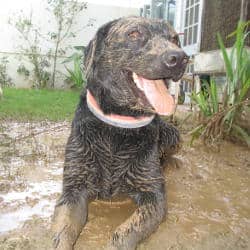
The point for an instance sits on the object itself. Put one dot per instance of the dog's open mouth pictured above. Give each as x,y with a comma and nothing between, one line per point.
156,94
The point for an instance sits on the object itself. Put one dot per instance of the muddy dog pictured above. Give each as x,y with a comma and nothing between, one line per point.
118,142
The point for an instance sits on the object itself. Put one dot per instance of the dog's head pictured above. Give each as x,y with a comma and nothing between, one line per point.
129,62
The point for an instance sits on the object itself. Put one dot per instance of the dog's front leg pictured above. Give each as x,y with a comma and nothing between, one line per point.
146,218
72,208
68,221
169,144
169,139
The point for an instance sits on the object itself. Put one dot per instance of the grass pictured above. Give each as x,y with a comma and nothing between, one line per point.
38,105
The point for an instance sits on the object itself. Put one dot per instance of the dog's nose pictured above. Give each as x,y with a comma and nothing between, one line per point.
176,58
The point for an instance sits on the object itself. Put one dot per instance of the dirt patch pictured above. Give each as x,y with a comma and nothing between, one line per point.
208,196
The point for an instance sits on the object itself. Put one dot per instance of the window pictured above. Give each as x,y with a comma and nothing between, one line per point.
169,6
185,36
195,31
186,18
145,11
190,31
191,22
196,15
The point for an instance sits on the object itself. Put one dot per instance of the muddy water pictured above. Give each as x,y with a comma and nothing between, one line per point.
208,196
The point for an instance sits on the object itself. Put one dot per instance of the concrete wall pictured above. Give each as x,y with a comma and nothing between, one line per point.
209,62
10,40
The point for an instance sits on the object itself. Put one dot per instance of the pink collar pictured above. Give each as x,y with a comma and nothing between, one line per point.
121,121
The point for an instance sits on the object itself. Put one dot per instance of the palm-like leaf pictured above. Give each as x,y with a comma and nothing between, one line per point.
237,67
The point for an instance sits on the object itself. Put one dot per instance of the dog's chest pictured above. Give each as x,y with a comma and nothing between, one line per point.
119,158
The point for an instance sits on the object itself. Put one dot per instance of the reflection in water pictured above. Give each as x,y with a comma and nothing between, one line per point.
208,197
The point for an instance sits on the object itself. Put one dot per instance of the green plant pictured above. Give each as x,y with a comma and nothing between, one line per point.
207,101
22,70
31,50
44,62
220,121
76,76
65,13
5,80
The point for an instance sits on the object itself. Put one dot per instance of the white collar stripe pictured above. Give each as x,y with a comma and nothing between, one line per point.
117,120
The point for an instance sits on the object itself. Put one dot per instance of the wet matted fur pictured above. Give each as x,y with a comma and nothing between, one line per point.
101,160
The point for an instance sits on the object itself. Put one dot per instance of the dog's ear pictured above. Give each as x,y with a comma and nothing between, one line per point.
92,51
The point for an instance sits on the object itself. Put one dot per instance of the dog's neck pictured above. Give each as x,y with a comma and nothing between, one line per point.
121,121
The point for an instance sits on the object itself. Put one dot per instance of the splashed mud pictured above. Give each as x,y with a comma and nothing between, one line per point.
208,196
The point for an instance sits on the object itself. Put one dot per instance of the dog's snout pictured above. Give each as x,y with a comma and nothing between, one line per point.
176,58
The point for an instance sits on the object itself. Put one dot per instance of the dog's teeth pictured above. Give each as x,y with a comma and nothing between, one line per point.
137,81
139,85
135,76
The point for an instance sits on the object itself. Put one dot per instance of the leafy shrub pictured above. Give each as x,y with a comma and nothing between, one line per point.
220,121
76,75
5,80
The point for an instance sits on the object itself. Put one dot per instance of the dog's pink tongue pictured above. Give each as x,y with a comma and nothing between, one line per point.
158,96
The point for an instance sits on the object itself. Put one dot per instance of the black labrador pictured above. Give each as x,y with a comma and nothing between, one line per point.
118,142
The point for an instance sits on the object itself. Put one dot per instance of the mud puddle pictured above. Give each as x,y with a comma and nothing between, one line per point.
208,196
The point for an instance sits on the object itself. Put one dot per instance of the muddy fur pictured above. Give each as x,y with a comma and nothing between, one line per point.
102,161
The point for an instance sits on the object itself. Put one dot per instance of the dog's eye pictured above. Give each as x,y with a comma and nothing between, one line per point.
134,34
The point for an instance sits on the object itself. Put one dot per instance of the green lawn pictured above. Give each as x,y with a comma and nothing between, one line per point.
37,105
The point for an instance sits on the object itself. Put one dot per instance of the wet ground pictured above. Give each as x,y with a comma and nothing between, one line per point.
208,196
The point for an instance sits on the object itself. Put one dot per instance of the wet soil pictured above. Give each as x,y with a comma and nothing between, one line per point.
208,195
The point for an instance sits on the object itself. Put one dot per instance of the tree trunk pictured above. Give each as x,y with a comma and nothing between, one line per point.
58,41
54,64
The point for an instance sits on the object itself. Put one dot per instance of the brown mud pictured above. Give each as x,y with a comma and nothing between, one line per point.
208,195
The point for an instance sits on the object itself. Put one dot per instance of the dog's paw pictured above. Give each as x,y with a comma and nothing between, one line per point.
110,247
113,246
61,241
120,241
173,162
65,228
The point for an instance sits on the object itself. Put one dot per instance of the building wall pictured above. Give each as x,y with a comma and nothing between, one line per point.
219,16
10,41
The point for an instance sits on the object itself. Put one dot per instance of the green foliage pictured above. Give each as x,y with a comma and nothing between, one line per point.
30,50
5,80
22,70
44,63
65,13
38,104
208,102
220,121
237,66
76,76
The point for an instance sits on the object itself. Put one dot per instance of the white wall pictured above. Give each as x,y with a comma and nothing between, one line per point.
9,40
